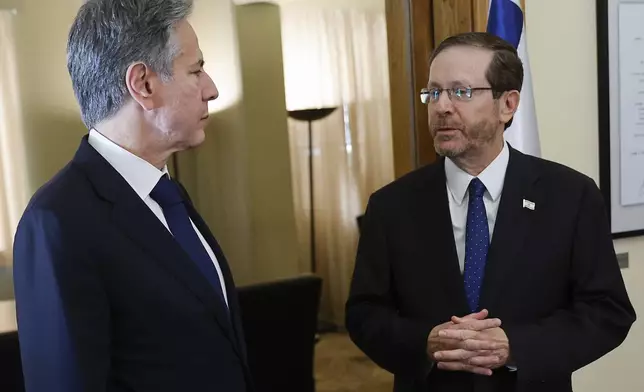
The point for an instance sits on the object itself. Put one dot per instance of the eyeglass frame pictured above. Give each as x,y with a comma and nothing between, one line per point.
425,93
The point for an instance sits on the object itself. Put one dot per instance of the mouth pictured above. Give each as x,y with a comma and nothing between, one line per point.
205,117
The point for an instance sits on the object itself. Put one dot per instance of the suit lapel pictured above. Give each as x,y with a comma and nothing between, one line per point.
231,293
138,222
513,224
434,222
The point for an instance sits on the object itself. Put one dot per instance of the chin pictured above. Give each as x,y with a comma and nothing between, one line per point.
449,149
197,139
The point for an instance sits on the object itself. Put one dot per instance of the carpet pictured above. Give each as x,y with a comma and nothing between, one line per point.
341,367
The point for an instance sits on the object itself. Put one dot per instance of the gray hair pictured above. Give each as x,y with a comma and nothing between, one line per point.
107,36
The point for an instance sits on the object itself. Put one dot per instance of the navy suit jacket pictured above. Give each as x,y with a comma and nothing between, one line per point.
107,300
551,276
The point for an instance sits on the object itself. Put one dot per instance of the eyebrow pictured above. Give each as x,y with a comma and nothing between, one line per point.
199,63
454,83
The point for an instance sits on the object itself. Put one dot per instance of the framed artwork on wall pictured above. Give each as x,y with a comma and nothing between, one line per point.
620,76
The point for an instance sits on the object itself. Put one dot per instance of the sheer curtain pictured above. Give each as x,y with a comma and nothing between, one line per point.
13,185
337,58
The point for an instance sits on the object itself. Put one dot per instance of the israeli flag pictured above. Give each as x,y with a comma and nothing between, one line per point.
506,20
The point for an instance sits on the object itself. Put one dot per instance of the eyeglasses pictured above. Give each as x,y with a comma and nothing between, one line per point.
431,95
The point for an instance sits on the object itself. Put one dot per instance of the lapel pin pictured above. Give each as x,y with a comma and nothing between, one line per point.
528,204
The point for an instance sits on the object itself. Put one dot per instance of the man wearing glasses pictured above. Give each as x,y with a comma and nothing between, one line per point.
489,270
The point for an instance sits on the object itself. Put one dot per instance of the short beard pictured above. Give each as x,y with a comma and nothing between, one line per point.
480,135
450,153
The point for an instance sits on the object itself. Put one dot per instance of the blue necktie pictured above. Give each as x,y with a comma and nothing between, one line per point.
477,242
167,194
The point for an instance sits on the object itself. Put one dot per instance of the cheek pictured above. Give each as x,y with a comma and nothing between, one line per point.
475,116
190,92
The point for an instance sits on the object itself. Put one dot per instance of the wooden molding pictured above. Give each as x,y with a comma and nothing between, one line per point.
451,17
423,44
401,84
479,14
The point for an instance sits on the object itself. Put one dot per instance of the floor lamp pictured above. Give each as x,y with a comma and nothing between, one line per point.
311,115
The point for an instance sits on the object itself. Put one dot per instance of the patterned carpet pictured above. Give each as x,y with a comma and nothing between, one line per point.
341,367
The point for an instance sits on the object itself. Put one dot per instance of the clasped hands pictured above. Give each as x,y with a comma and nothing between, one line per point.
472,343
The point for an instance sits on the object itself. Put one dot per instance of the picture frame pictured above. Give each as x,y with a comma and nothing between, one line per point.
620,77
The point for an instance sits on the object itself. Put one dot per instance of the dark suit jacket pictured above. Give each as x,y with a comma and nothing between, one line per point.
551,277
108,301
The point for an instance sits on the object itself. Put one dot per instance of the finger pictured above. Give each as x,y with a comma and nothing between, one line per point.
458,334
454,355
476,325
477,316
480,315
486,361
472,326
481,345
459,366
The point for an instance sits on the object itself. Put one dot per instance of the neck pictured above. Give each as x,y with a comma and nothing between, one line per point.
132,135
476,160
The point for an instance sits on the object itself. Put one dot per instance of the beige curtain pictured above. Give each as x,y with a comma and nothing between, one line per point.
13,185
337,58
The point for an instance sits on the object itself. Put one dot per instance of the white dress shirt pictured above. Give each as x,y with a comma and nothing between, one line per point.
143,177
458,182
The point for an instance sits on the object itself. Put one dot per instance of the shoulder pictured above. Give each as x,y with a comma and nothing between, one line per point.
556,174
405,187
66,197
60,191
567,186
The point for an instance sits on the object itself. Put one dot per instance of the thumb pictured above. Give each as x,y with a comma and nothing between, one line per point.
481,315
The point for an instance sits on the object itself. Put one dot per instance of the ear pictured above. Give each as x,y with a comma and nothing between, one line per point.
143,85
509,103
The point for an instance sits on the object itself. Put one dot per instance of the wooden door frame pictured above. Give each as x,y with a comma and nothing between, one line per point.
410,37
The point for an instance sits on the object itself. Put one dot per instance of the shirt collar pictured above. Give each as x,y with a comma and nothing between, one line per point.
493,177
140,174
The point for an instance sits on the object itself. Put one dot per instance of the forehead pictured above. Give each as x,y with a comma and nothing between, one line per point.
460,64
186,38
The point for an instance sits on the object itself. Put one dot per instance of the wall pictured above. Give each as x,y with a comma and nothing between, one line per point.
9,4
238,174
275,249
216,172
330,4
562,49
52,124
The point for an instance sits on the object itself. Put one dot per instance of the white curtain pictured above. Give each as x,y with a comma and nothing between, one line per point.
13,184
337,58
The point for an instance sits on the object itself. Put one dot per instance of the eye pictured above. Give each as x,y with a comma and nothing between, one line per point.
462,92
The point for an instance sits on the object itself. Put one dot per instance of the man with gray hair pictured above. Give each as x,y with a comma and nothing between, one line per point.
119,283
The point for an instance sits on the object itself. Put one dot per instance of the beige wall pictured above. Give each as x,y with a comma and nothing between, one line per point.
52,124
216,172
269,164
238,175
9,4
249,213
332,4
562,48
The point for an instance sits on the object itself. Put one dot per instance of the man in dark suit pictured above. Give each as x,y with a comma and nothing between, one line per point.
489,270
120,285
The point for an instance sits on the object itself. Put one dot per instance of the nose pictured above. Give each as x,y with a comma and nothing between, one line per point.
443,105
210,92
